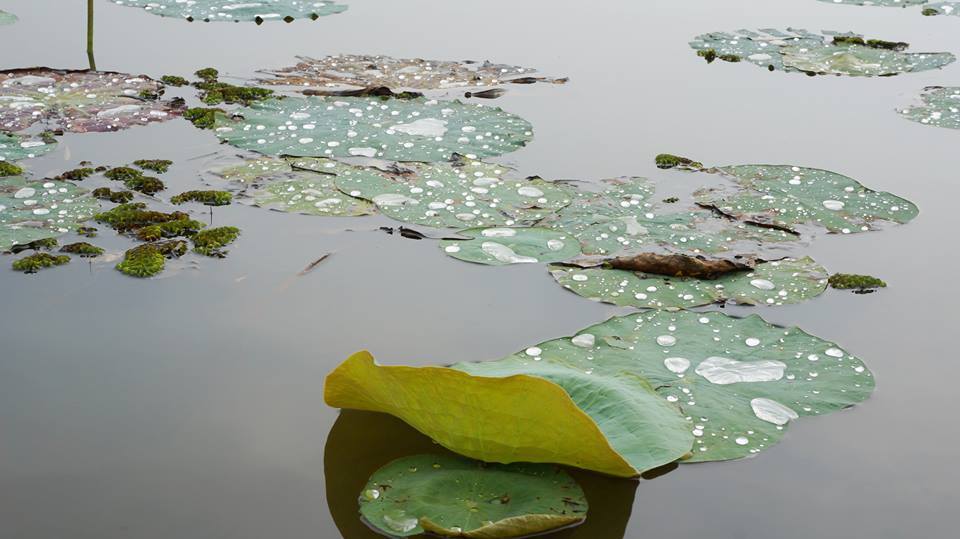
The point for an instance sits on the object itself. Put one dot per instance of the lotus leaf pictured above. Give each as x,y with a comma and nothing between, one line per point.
451,496
16,147
398,74
79,101
394,129
788,196
7,18
616,425
802,51
941,107
777,282
502,246
231,10
739,380
36,209
881,3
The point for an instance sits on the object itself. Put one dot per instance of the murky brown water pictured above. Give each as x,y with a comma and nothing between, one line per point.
190,406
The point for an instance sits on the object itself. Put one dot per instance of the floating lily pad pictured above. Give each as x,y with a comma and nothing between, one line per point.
232,10
790,196
778,282
452,195
881,3
941,107
802,51
739,380
452,496
398,74
942,8
620,219
17,147
36,209
79,101
502,246
393,129
7,18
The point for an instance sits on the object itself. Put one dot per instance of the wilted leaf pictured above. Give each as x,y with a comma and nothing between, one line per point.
232,10
35,209
453,496
17,147
394,129
502,246
941,107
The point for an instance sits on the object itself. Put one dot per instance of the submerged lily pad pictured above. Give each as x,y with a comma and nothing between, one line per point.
79,101
501,246
394,129
941,107
451,195
36,209
7,18
777,282
232,10
790,196
801,51
17,147
398,74
739,380
452,496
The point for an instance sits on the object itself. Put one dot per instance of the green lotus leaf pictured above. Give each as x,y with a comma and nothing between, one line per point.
398,74
455,194
393,129
7,18
619,219
502,246
942,8
17,147
779,282
739,380
941,107
79,101
232,10
801,51
452,496
31,210
881,3
790,196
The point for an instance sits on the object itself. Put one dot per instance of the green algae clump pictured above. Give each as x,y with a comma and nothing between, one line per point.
707,54
174,80
9,169
77,174
87,231
207,74
169,229
157,165
35,245
207,198
850,281
117,197
39,261
667,161
135,180
201,118
210,242
133,216
214,92
142,261
82,249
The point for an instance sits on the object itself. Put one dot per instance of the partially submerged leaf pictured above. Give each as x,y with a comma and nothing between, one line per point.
79,101
394,129
941,107
7,18
36,209
17,147
790,196
881,3
232,10
778,282
739,380
522,418
452,496
502,246
942,8
801,51
397,74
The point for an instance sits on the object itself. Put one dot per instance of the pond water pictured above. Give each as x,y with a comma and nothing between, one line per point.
191,405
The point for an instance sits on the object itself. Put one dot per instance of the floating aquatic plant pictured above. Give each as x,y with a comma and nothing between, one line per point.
79,101
452,496
394,129
850,281
942,8
777,282
37,209
7,18
502,246
82,249
159,166
117,197
230,10
801,51
206,197
211,242
142,261
16,147
941,107
398,74
39,261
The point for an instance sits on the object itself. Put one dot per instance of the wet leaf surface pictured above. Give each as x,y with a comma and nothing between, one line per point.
35,209
503,246
7,18
17,147
941,107
232,10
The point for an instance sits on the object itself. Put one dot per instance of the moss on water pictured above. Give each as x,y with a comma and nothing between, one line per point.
667,161
174,80
82,249
207,198
157,165
39,261
201,118
850,281
87,231
77,174
135,215
117,197
142,261
207,74
707,54
9,169
210,242
169,229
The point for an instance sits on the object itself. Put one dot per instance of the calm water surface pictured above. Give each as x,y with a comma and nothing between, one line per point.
190,406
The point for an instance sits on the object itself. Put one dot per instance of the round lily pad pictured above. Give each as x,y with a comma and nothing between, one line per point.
7,18
791,196
394,129
398,74
740,381
503,246
17,147
36,209
452,195
452,496
232,10
941,107
79,101
830,54
777,282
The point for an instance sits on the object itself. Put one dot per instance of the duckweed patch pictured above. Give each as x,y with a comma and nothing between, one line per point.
39,261
210,242
9,169
77,174
35,245
174,80
202,118
142,261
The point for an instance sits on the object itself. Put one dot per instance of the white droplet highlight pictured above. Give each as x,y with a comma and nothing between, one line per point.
772,411
723,371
